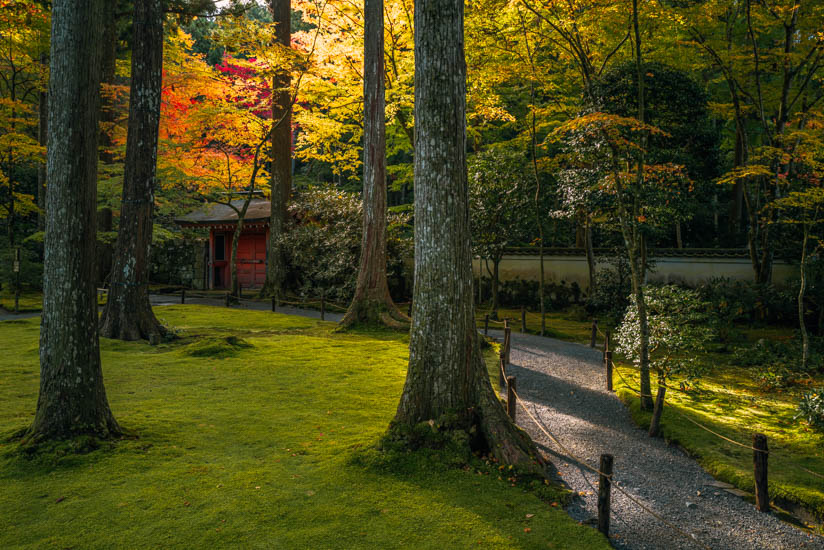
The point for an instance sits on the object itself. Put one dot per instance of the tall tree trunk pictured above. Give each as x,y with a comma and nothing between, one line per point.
805,339
447,377
281,167
72,398
496,263
128,314
639,272
590,252
372,303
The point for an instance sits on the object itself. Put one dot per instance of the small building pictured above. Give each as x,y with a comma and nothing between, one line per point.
221,220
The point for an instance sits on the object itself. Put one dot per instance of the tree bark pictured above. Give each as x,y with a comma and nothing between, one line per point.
128,314
72,399
496,263
281,166
447,376
372,303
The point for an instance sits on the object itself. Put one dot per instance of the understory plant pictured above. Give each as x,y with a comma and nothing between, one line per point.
679,330
811,408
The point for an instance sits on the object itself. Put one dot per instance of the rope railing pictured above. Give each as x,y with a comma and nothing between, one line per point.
707,429
572,457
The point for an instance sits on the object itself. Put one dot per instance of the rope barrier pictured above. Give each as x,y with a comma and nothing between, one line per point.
679,413
571,455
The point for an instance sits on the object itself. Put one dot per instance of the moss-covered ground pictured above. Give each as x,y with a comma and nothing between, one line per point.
253,430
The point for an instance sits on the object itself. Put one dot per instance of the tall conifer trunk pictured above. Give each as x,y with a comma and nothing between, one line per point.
128,314
447,377
72,399
281,168
372,303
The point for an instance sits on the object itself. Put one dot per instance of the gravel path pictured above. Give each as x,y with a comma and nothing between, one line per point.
563,385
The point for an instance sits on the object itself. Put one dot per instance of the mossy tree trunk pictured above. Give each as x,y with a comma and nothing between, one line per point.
372,303
72,399
281,167
447,375
128,314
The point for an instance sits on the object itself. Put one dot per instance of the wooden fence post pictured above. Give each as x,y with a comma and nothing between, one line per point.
486,324
655,423
511,398
239,290
409,311
502,369
323,305
523,319
507,342
227,298
608,364
183,296
594,333
604,486
759,457
274,304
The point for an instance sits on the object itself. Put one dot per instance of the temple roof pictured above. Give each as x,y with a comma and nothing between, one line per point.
221,214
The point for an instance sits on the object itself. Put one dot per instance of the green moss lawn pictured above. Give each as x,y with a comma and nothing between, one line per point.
729,403
253,430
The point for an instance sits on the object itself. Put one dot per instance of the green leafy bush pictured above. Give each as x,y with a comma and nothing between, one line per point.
322,245
774,364
679,330
811,408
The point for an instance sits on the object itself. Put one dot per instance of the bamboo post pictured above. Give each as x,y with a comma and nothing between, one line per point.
759,456
511,398
486,324
608,364
604,487
523,319
594,333
322,305
183,296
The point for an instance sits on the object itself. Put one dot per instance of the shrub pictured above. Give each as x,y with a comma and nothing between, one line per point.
611,295
322,246
811,408
678,330
775,364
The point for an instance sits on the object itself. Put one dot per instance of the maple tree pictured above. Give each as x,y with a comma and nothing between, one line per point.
24,39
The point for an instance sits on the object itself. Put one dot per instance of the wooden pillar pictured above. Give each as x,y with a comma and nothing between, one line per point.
759,456
604,487
608,365
594,333
511,398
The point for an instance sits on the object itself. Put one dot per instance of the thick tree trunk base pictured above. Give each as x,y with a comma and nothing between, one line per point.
375,312
486,431
129,320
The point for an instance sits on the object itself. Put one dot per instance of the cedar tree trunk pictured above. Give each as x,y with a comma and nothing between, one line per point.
128,314
281,168
72,399
372,303
447,377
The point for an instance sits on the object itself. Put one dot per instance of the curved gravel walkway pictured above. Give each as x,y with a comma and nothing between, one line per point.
563,385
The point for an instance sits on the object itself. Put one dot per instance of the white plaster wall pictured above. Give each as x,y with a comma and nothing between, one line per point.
688,270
